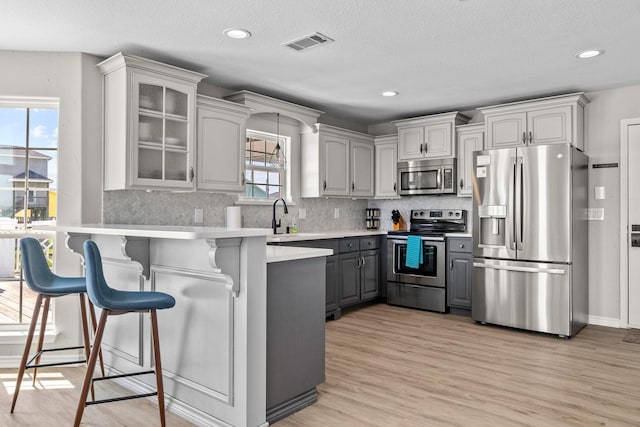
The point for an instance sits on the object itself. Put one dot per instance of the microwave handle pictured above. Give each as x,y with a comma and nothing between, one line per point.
439,179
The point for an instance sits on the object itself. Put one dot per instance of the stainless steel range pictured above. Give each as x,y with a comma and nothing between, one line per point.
423,287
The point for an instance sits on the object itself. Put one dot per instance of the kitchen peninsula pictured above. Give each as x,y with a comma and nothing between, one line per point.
214,341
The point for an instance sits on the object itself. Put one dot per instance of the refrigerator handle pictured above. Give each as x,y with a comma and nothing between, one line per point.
521,218
514,204
522,269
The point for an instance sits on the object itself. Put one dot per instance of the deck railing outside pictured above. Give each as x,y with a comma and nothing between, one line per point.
16,299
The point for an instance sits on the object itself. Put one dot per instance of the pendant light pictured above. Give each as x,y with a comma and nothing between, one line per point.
277,158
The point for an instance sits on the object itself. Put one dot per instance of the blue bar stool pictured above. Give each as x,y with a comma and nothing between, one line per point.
47,285
115,302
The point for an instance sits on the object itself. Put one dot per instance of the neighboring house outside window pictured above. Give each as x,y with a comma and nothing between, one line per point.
265,177
28,185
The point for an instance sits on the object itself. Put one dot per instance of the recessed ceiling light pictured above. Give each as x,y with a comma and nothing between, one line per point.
389,93
237,33
589,54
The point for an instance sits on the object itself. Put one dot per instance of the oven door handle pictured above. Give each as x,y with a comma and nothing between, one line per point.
559,271
403,239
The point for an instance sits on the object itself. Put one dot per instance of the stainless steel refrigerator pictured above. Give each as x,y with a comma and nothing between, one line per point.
530,238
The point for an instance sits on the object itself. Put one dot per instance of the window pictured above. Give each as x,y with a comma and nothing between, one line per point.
265,177
28,177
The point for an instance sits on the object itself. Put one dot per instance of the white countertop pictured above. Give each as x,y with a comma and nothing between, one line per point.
294,237
193,232
290,253
162,231
18,234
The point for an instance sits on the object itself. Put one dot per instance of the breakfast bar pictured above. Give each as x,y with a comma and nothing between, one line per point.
215,352
213,342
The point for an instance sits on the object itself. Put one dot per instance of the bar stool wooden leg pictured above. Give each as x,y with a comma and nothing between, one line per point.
27,347
88,376
85,336
43,327
158,366
94,325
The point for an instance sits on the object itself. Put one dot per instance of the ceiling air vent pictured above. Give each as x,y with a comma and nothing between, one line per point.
306,42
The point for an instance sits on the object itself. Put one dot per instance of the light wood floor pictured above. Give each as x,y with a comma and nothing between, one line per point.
389,366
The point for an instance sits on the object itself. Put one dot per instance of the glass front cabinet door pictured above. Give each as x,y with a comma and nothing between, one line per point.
153,144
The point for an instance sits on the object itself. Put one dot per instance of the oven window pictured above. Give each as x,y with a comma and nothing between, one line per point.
429,260
424,180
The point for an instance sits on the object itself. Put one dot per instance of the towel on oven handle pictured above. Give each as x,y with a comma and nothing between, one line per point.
414,252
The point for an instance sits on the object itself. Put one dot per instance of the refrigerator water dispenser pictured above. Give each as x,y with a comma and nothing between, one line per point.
492,225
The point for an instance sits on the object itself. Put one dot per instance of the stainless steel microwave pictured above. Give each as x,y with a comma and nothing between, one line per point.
428,176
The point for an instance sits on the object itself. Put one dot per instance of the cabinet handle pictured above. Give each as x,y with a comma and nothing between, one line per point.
461,186
524,137
363,261
243,178
530,137
192,174
420,148
324,186
451,265
353,186
462,246
426,148
394,186
357,262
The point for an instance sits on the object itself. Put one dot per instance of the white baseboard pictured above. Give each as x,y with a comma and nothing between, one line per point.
179,408
604,321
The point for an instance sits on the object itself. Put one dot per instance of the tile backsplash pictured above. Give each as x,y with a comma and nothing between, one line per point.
175,208
406,204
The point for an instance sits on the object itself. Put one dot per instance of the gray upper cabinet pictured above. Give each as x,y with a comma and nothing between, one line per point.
337,163
386,160
221,145
553,120
470,139
429,136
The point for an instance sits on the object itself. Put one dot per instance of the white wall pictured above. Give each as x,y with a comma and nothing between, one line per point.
74,80
603,115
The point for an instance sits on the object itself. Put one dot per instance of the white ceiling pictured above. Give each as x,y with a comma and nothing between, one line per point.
441,55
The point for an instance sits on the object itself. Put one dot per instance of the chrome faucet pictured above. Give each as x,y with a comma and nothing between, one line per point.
275,224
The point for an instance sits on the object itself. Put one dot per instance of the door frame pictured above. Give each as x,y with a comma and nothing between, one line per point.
624,220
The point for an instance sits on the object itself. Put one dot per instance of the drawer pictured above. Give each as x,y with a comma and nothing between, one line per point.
367,243
459,244
349,244
422,297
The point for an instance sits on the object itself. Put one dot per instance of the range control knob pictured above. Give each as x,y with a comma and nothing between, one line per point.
450,213
457,213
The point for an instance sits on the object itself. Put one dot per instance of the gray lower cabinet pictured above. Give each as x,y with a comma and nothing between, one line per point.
333,286
359,269
295,335
349,278
332,296
352,273
460,274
